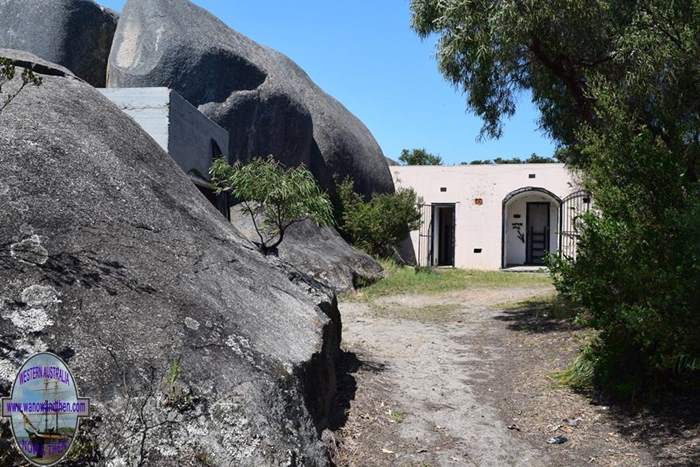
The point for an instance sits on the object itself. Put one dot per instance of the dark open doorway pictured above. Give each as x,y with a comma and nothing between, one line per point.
444,235
537,218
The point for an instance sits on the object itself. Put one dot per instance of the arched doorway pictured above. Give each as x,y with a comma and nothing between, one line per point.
530,226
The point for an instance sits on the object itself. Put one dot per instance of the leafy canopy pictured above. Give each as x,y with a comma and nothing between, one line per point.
562,50
419,157
274,197
378,225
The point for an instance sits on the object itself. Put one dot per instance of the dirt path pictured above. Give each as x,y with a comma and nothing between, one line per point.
456,379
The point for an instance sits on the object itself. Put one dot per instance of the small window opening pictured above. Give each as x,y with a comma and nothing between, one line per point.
443,189
531,176
216,149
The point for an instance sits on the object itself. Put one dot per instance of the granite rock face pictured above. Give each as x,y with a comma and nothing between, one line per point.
192,345
319,252
74,33
268,103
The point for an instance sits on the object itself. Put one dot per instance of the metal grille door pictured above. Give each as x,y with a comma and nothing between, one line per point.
572,208
425,235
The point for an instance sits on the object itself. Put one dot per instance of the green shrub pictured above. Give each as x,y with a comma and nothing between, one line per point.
378,225
274,197
637,271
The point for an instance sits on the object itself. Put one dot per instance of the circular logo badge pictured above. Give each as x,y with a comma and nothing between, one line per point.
44,409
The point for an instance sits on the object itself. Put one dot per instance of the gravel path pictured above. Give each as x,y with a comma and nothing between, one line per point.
460,379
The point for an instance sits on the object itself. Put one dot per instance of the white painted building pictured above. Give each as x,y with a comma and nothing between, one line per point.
493,216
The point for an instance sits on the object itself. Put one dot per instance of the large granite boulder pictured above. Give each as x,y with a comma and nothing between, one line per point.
268,103
195,348
74,33
319,252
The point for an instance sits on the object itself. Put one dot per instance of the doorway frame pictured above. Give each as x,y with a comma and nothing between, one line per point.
504,214
547,231
436,220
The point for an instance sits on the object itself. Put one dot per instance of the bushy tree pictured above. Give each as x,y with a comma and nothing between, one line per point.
377,226
617,85
8,70
419,157
274,197
638,267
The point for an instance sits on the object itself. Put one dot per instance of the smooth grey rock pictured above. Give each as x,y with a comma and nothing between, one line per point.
194,348
74,33
319,252
268,103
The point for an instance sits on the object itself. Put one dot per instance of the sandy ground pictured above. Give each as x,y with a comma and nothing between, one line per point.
463,379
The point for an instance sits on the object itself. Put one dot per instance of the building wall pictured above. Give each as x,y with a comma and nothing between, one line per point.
192,135
175,124
147,106
480,226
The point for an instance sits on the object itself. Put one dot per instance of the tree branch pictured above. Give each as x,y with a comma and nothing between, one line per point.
255,225
559,68
11,97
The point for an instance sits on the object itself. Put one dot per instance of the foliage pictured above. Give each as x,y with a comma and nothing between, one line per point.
533,159
280,197
638,265
8,70
402,280
580,374
537,159
419,157
493,50
378,225
617,85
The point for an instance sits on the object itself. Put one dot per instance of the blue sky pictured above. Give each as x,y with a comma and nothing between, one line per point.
364,53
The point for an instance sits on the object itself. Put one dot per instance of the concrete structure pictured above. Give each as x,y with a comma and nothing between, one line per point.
191,139
492,216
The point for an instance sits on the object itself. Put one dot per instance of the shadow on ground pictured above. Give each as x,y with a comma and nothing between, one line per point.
669,426
539,315
349,364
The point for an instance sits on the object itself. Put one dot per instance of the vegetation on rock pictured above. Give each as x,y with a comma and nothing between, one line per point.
8,70
273,196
